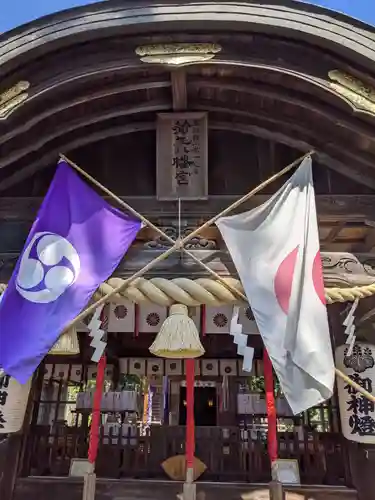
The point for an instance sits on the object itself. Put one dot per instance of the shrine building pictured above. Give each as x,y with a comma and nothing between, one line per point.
119,88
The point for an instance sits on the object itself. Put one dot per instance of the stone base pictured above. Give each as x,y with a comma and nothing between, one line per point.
190,491
60,488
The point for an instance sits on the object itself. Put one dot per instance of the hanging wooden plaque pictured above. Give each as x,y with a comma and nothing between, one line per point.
181,165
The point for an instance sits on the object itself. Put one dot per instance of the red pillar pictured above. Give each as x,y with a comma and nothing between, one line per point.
271,407
95,422
190,425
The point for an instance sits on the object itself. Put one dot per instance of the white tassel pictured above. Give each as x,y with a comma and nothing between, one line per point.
178,337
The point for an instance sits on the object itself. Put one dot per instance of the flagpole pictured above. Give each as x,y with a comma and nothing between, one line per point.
179,245
175,244
89,483
276,488
208,223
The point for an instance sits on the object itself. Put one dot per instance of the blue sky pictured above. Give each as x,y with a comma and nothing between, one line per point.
16,12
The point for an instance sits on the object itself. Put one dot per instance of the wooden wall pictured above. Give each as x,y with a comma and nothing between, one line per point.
236,163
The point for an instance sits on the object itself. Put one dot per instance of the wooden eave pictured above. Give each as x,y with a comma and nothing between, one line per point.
271,79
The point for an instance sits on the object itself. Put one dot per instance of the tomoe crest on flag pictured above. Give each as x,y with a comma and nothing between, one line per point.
76,243
49,266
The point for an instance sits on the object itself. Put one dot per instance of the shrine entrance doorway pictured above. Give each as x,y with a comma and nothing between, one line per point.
205,407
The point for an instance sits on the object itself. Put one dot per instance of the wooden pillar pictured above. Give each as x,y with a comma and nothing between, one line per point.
362,466
189,491
228,418
360,458
10,450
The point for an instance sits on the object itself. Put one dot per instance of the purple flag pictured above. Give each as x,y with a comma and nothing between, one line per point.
75,244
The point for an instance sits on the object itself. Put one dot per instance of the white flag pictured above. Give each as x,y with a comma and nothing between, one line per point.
275,248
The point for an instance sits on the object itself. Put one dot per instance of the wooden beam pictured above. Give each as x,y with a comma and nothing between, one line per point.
291,130
325,157
334,232
331,208
29,170
266,157
104,92
339,268
148,107
290,97
292,127
179,89
178,80
369,244
290,133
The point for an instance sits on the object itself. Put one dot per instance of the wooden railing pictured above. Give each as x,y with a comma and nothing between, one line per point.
229,454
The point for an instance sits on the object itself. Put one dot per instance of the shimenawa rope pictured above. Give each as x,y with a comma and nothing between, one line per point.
206,291
201,291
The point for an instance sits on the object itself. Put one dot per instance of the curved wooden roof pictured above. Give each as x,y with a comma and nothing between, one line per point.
291,72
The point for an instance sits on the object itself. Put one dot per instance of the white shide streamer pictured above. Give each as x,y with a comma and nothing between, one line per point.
350,327
97,335
240,339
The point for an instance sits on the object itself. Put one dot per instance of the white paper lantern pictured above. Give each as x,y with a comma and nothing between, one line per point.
357,413
13,403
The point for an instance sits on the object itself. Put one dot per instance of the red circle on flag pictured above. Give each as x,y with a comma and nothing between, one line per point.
284,279
317,276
